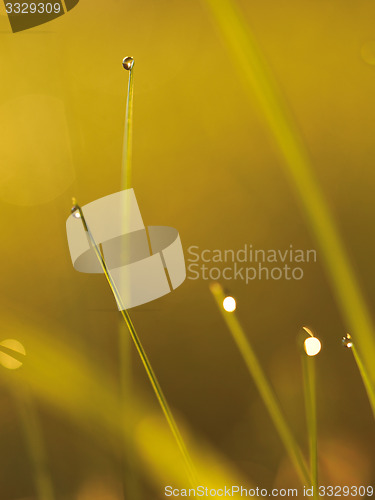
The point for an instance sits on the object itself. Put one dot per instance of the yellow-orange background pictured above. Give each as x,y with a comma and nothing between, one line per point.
205,163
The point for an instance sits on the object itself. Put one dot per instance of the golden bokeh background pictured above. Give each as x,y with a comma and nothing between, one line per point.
204,162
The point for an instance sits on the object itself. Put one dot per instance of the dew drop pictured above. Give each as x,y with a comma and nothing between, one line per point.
128,62
75,212
229,304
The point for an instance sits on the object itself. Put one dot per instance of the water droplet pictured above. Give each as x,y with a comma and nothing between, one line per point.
229,304
347,341
312,346
128,62
75,212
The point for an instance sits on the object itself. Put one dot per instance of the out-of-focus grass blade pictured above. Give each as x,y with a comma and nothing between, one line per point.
365,378
309,382
260,83
63,377
34,441
215,471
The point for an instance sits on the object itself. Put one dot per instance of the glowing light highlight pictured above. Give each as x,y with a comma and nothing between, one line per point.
312,346
229,304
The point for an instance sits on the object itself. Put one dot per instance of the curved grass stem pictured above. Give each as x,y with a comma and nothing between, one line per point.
309,381
33,436
365,377
128,133
259,83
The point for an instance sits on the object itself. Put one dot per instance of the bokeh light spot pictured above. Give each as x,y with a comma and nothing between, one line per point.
312,346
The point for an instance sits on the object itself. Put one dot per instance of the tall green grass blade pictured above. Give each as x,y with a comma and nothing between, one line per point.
264,387
309,381
259,83
365,377
191,473
33,436
128,134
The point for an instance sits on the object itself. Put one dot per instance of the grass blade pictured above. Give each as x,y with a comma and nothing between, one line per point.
259,82
309,381
34,441
144,358
126,180
264,387
348,342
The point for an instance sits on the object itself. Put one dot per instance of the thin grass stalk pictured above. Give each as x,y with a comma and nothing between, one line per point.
365,378
144,358
131,482
264,387
34,441
260,83
309,382
128,134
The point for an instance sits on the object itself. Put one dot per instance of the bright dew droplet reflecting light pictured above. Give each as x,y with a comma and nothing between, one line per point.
128,62
347,341
75,212
229,304
312,346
